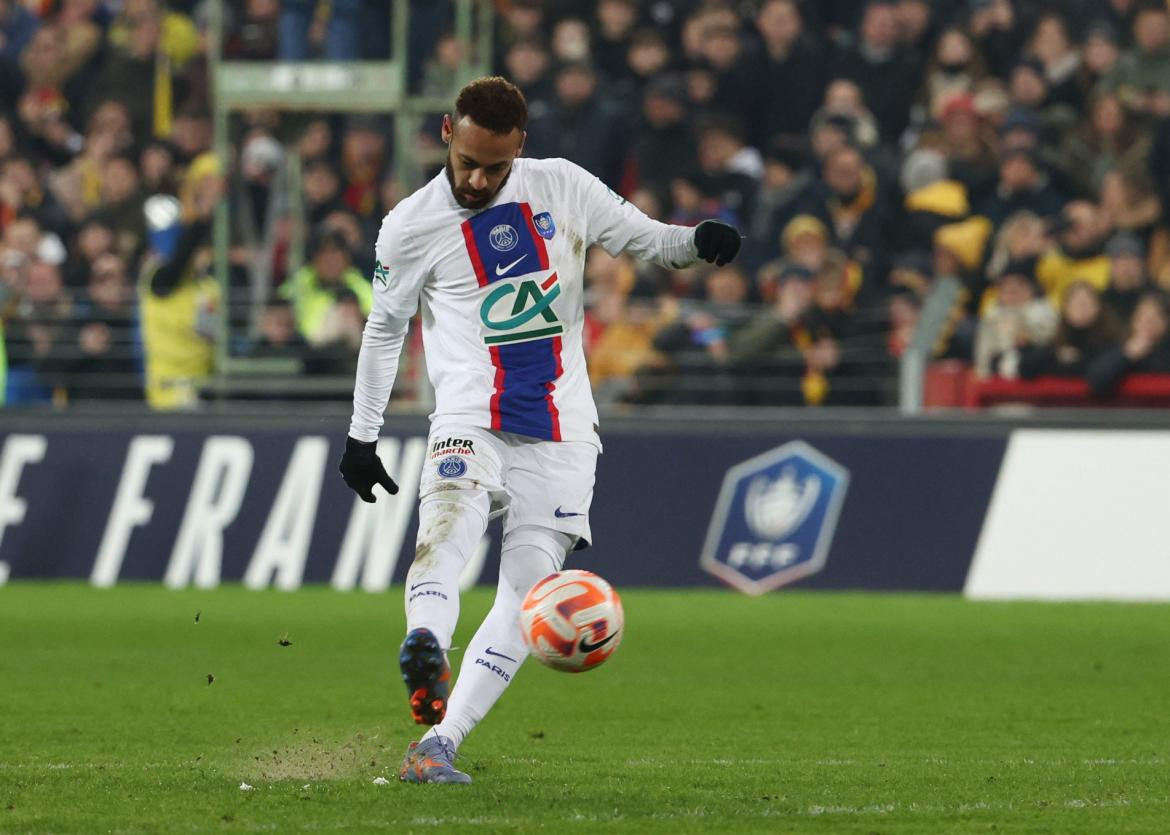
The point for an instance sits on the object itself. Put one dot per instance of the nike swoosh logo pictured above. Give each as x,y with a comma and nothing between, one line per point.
499,654
585,646
560,514
427,583
501,270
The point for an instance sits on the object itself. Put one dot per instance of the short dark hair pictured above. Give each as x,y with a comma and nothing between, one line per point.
493,103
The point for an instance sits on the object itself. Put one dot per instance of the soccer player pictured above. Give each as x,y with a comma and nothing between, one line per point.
493,251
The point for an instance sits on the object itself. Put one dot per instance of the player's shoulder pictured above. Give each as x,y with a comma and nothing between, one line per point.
553,169
413,216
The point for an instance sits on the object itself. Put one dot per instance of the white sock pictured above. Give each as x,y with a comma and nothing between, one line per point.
450,525
496,652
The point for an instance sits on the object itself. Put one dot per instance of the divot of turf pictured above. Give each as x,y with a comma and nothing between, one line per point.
318,760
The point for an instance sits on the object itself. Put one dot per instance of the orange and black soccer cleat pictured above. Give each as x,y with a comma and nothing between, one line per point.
427,675
431,761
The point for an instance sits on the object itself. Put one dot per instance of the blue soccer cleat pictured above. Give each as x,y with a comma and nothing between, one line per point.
427,675
430,761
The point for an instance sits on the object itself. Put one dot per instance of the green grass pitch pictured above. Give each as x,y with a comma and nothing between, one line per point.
796,712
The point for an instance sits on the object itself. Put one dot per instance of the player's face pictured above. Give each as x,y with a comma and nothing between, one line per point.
478,161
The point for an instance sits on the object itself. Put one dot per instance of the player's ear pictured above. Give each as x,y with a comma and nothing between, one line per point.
448,129
523,136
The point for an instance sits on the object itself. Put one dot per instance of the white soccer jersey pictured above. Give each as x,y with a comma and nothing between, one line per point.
501,294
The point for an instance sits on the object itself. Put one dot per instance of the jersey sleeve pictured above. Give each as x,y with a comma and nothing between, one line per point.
620,226
397,282
399,271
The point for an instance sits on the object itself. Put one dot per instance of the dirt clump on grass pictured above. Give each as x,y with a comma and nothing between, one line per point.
321,759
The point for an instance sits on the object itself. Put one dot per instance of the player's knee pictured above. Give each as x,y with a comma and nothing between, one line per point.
530,554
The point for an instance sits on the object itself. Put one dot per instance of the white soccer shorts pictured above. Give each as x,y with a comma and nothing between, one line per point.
530,481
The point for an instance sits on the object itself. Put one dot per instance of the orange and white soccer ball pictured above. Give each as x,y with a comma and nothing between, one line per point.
572,620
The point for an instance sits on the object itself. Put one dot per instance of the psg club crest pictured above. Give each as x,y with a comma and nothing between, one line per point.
774,519
452,467
544,225
503,237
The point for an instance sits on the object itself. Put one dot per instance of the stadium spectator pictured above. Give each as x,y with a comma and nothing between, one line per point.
323,293
1079,253
17,27
101,360
626,344
648,58
731,169
665,143
158,168
363,158
322,189
1022,187
1128,278
887,74
616,20
805,242
851,205
785,187
999,33
526,64
93,240
1019,317
1146,348
1086,330
1052,45
179,299
316,141
1142,75
278,334
788,74
342,36
148,47
40,323
23,194
582,125
1099,55
256,36
571,41
844,100
764,355
695,344
1106,141
954,69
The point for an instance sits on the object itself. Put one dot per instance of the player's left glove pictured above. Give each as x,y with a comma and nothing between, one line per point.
362,469
716,242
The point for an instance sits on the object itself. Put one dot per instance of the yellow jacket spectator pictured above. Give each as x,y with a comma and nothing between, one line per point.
319,286
180,299
178,38
1080,255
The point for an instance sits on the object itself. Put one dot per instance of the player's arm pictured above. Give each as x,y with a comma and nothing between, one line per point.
398,278
619,226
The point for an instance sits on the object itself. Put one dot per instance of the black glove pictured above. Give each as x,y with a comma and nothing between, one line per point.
362,469
716,242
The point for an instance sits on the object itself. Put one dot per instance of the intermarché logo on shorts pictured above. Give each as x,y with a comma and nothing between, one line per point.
500,312
453,446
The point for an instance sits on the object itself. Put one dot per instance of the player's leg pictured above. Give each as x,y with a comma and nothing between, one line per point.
495,654
550,486
455,505
450,526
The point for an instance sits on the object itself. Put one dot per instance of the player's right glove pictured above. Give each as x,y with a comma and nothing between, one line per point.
362,469
717,242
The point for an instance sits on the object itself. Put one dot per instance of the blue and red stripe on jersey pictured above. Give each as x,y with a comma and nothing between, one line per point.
528,253
526,372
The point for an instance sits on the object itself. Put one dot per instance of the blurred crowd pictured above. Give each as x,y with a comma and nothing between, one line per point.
868,150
